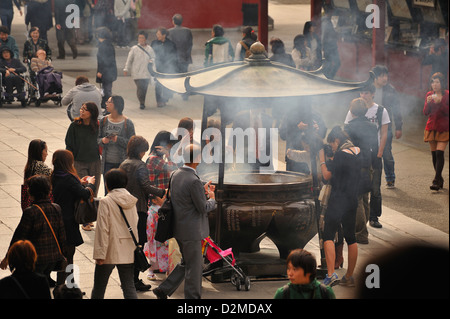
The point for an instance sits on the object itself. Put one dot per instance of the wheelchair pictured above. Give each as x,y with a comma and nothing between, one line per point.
22,97
39,88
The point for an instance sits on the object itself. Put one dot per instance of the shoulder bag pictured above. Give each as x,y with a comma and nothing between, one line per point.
140,261
63,264
150,64
164,228
86,211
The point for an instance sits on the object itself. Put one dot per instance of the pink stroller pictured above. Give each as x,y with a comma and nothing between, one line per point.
214,255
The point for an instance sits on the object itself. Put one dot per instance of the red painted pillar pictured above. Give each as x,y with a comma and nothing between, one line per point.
378,53
316,9
263,22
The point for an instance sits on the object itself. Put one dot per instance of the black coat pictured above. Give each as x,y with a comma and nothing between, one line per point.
67,190
39,15
12,63
34,285
166,56
106,62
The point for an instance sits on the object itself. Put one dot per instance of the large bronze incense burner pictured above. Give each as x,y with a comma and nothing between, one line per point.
255,203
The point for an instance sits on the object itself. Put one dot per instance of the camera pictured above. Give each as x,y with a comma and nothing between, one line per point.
328,151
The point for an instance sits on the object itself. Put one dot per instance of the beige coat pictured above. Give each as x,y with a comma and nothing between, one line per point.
113,242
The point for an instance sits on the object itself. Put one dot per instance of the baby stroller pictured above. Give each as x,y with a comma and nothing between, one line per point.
45,85
218,259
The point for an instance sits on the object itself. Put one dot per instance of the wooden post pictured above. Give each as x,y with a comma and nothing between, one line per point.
378,34
263,23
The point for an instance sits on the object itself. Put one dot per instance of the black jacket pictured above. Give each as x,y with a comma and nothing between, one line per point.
27,285
166,56
106,62
67,190
139,184
12,63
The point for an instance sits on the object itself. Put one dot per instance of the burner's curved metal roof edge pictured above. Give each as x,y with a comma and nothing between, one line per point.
255,77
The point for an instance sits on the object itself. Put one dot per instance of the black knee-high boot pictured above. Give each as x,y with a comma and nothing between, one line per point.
438,181
439,167
433,156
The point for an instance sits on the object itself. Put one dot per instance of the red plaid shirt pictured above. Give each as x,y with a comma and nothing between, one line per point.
160,170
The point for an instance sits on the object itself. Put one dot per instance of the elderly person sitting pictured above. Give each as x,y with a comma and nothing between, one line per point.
10,69
40,62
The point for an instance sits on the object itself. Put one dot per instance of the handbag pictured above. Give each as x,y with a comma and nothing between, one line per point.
86,211
140,260
164,229
63,263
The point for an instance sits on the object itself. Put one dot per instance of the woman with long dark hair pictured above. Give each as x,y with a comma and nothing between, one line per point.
436,130
37,154
81,140
344,173
68,189
314,43
301,54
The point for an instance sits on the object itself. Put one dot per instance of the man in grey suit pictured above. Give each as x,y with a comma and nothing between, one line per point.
182,37
190,206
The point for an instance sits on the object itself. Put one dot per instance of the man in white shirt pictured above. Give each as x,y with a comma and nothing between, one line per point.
380,117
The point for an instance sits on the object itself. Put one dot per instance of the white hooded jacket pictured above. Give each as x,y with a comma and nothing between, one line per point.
113,242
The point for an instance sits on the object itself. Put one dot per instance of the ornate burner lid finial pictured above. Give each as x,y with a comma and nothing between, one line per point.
258,54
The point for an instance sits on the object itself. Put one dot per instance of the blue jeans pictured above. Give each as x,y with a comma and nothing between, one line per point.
388,159
101,277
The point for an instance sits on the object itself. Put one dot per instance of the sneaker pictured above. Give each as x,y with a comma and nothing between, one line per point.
140,286
331,281
375,224
86,227
142,106
151,276
349,282
390,185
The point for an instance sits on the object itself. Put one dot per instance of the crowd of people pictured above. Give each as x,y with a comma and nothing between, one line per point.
97,145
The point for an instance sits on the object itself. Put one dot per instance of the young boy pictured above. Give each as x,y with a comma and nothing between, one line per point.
301,270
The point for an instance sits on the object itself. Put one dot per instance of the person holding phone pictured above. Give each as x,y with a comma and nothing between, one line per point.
115,131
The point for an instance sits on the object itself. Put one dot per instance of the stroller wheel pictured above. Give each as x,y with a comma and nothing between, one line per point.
239,285
234,279
247,283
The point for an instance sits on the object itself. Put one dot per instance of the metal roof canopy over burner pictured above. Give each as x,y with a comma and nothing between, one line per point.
255,83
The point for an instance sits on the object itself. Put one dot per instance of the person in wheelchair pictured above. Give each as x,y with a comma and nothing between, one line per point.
40,61
43,74
11,68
